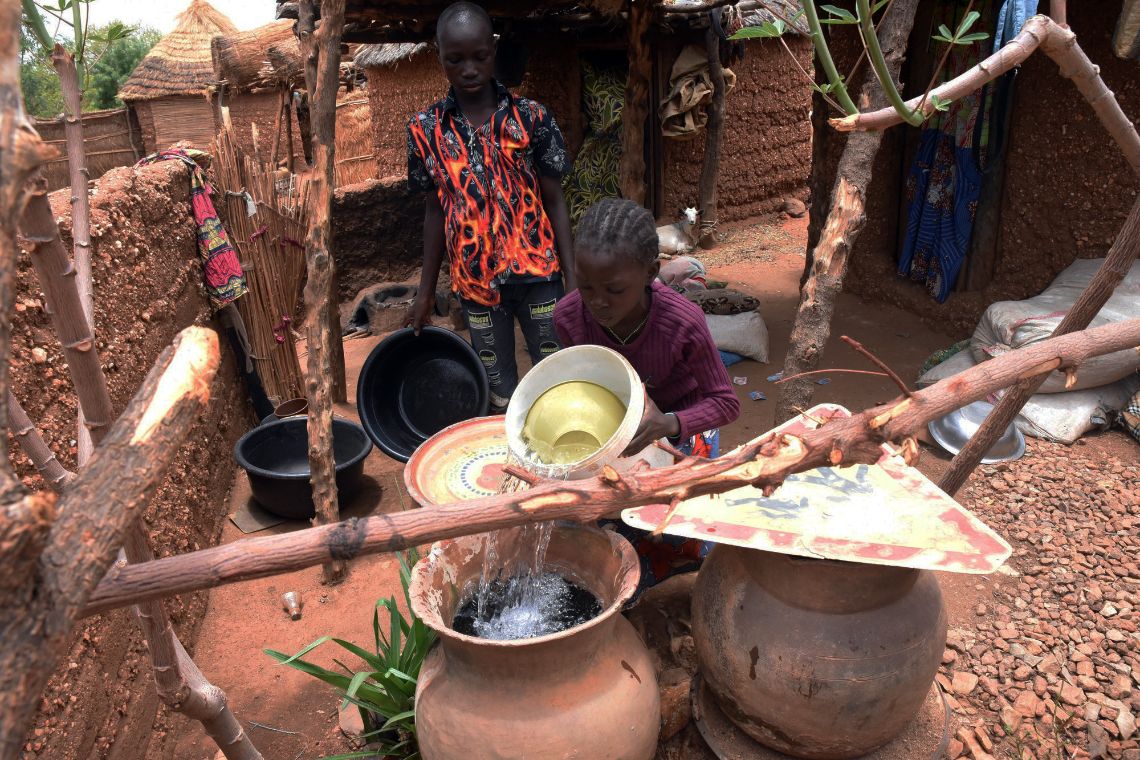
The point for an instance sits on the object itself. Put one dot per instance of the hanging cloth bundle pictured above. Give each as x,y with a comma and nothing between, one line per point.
684,111
225,281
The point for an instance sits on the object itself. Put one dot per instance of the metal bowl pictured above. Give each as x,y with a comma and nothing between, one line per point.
955,429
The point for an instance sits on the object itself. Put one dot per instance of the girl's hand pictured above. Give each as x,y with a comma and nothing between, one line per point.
419,313
654,425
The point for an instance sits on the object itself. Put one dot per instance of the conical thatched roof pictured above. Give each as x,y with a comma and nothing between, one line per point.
180,64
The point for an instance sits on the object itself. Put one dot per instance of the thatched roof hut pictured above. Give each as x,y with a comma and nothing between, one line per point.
168,90
242,61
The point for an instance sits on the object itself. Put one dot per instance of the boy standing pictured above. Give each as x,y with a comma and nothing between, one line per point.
495,163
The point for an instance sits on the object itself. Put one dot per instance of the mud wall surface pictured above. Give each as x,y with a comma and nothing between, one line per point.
766,153
261,108
377,234
554,78
395,93
102,704
1067,188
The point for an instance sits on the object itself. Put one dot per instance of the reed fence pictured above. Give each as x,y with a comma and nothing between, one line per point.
270,245
108,137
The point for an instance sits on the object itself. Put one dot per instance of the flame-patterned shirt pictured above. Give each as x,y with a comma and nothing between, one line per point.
487,179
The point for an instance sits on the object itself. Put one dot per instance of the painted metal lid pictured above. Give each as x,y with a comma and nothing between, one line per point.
887,513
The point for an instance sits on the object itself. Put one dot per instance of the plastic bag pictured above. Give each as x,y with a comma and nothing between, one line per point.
1007,325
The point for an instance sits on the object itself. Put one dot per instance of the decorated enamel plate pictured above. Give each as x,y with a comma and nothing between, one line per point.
887,513
464,461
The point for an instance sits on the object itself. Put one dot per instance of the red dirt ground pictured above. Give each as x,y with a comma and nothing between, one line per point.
298,715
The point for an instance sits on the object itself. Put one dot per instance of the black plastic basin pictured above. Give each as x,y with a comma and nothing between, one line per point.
412,386
276,457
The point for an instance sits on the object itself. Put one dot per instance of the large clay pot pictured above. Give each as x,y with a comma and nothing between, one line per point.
587,692
816,658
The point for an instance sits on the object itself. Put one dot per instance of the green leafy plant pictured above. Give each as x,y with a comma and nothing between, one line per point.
385,689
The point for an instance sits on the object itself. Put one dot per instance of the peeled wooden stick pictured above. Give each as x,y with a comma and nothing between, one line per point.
1057,42
30,440
763,462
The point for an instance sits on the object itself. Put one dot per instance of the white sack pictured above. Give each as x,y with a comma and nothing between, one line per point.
744,334
1007,325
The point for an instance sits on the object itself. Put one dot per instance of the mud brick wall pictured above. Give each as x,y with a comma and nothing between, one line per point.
766,153
101,704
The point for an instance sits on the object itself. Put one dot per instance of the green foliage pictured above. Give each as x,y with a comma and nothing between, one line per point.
766,30
38,80
837,15
111,69
961,35
385,690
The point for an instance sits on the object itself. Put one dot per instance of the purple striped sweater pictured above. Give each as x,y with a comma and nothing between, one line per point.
674,355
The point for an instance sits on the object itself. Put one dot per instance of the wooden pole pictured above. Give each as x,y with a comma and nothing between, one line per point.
321,50
763,462
1117,263
58,278
845,219
64,64
714,138
289,161
1060,44
281,111
636,107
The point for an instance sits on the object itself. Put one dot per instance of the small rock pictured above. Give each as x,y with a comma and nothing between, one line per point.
1114,635
948,656
1071,695
39,356
955,749
794,207
1126,722
351,722
963,683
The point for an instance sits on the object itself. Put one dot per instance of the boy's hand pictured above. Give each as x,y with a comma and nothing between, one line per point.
654,425
419,313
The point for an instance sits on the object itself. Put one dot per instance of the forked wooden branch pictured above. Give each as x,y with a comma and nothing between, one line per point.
93,516
1057,42
764,462
179,682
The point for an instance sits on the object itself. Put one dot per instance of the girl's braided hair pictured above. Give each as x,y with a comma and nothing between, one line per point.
621,227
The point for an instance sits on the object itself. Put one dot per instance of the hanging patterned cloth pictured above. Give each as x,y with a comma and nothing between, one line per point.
945,180
225,281
596,167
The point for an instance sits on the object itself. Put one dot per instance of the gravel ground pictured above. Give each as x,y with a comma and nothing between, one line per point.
1051,670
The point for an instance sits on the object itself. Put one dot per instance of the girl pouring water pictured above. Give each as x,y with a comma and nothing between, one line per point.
620,304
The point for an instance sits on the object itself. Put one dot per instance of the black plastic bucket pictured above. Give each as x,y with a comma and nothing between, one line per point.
411,387
276,457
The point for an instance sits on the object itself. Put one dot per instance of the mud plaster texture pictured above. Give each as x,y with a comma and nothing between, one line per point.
766,153
377,234
102,701
261,108
1067,191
